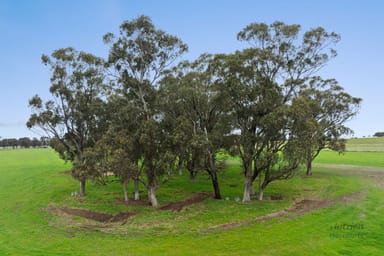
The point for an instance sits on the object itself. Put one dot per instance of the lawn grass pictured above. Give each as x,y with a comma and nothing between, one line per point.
32,180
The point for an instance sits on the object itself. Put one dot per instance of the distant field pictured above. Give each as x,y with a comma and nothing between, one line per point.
359,152
358,158
366,144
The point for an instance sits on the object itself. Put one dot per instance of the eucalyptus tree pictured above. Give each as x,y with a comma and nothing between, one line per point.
203,118
328,108
263,80
115,153
138,56
75,117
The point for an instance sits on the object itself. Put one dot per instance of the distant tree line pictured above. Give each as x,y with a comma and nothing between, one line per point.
378,134
25,142
143,117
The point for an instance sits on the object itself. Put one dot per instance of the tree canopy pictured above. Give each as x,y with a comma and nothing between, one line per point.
141,116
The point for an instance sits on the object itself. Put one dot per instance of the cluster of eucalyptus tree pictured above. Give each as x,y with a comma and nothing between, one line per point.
142,117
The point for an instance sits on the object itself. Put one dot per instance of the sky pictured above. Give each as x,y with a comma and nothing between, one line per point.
30,28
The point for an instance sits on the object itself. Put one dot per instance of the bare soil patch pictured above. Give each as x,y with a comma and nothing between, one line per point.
298,209
141,202
178,206
92,215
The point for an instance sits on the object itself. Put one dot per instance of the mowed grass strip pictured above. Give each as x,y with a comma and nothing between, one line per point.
31,180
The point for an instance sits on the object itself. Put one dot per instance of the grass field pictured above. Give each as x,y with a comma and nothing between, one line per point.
366,144
343,214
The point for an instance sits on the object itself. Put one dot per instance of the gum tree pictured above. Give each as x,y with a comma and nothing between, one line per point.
75,116
328,108
264,79
138,56
203,120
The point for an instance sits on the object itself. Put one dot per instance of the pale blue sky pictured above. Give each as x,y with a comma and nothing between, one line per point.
29,28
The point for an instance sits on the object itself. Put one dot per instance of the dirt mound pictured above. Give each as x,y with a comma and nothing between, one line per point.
121,216
92,215
178,206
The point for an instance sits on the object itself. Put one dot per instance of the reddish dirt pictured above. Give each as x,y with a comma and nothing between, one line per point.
298,209
92,215
123,216
140,202
178,206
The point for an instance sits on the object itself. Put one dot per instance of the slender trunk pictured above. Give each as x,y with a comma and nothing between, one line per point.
261,193
125,188
248,188
180,167
309,167
82,186
215,184
192,177
151,177
211,168
137,192
263,186
248,180
152,195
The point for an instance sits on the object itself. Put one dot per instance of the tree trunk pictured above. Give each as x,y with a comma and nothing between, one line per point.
261,193
152,195
215,184
248,189
248,181
211,168
180,167
192,177
125,188
263,186
137,192
252,190
82,186
309,167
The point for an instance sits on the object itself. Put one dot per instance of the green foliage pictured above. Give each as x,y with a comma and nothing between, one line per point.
76,116
378,134
199,115
268,89
154,118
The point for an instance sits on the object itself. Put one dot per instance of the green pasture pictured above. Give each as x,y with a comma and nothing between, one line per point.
373,159
31,181
366,144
